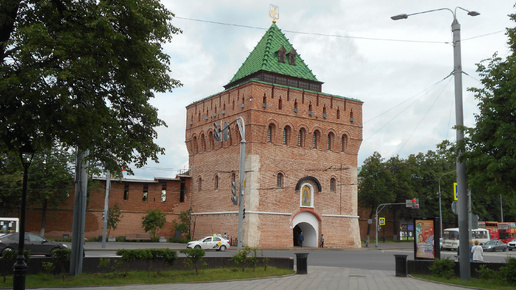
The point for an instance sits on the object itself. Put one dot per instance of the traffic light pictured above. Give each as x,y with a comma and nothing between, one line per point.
216,132
234,198
415,202
225,132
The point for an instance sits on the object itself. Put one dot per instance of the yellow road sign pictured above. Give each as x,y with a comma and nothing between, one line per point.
455,191
382,221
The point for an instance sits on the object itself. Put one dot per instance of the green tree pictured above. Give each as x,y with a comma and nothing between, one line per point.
153,221
82,73
114,217
51,179
11,175
490,144
374,187
183,224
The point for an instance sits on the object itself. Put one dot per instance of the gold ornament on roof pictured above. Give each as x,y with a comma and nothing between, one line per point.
273,12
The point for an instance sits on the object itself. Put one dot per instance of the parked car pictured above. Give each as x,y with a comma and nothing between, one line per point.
494,245
35,244
209,243
511,245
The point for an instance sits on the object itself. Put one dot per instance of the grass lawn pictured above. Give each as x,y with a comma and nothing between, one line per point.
141,277
474,283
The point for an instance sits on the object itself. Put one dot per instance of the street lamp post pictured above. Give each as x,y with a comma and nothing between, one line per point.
20,267
465,272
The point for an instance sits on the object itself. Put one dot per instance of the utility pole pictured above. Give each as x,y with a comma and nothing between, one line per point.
221,134
106,208
79,212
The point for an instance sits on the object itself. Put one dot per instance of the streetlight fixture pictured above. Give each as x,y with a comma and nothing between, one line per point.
465,272
20,267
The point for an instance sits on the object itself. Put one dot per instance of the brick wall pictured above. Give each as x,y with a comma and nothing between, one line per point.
270,209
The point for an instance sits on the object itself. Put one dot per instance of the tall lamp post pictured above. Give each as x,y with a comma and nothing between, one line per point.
465,272
20,267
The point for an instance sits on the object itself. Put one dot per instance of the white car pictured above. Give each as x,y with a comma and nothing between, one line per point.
209,243
512,244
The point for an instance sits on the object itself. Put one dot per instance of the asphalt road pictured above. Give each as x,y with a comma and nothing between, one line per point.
372,258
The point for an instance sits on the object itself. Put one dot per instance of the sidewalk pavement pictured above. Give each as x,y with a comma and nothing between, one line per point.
317,278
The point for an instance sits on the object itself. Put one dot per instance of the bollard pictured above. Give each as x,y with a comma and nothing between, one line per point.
401,265
302,263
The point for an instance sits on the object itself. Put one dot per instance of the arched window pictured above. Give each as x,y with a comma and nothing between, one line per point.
333,182
338,113
199,184
316,138
286,135
279,180
280,104
270,133
343,143
211,141
203,143
194,144
216,182
329,143
301,138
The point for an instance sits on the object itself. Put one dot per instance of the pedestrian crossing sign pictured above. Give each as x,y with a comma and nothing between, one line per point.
382,221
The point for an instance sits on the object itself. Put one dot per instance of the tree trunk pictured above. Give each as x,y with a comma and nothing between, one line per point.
43,218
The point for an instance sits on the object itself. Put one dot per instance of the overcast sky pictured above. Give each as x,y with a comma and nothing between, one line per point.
399,69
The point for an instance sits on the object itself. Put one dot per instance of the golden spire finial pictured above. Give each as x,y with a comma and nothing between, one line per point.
273,13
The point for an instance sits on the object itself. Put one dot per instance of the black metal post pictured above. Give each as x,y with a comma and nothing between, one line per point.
20,267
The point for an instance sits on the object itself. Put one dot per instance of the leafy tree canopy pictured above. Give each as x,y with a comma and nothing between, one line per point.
82,73
491,153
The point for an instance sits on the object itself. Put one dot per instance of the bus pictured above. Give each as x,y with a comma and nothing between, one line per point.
451,237
9,225
492,227
506,231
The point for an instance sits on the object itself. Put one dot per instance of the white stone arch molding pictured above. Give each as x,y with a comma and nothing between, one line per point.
309,224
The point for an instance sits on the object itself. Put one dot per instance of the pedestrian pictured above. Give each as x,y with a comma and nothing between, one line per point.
478,252
322,241
470,252
301,238
225,236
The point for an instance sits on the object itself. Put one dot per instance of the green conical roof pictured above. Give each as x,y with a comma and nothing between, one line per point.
265,57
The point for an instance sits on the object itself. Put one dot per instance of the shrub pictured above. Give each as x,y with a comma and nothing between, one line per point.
443,268
48,267
240,258
193,258
485,273
62,258
9,259
178,240
110,268
508,272
168,256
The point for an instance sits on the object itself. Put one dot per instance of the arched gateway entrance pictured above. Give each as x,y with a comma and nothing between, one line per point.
309,225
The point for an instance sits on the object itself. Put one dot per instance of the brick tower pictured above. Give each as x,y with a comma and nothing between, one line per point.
301,155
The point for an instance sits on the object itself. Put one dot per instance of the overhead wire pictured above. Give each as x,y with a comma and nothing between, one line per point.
334,35
420,94
424,116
